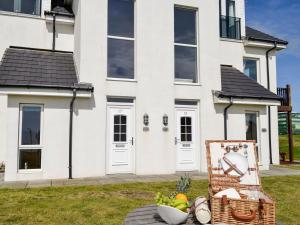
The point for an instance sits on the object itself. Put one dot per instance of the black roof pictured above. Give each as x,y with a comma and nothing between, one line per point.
237,84
256,35
26,67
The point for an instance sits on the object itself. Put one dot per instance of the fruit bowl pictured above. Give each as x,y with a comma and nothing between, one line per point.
172,215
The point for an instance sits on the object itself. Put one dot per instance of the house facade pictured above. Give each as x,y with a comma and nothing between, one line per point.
99,87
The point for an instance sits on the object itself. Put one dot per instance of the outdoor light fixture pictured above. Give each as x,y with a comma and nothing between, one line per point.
165,120
146,119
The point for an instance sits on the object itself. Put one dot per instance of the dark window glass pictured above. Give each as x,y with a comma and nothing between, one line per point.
31,125
121,18
120,127
185,63
120,58
30,159
231,8
7,5
185,26
30,7
186,129
251,126
250,68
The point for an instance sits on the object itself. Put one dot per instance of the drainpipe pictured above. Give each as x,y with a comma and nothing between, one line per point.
225,118
54,31
269,107
71,132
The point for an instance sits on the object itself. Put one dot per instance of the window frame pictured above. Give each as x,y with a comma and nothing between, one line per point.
133,39
17,9
257,68
30,147
196,46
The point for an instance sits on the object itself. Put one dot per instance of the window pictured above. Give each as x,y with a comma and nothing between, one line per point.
231,8
120,39
186,47
252,129
32,7
186,129
120,128
30,149
250,68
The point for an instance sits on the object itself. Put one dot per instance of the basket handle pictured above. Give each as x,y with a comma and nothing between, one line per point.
243,217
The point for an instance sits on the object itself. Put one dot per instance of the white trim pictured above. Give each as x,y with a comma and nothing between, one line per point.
121,38
121,79
44,92
246,101
30,147
60,20
186,45
258,69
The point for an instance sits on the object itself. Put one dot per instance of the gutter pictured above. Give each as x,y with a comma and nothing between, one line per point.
226,117
269,108
267,40
71,132
91,89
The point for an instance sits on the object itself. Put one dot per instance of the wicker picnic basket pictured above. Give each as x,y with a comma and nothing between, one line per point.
254,211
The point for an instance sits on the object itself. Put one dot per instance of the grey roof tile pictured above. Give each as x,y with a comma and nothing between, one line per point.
36,67
237,84
254,34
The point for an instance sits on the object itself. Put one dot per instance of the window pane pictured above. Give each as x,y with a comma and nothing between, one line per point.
31,124
123,137
30,159
123,128
30,7
189,137
186,63
117,119
123,120
121,18
231,8
116,128
250,68
185,26
7,5
251,126
120,58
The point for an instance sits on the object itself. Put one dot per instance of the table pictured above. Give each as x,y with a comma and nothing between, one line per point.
148,215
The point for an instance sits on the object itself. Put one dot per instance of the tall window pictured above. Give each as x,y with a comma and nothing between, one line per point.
250,68
231,8
32,7
121,39
252,129
30,149
186,46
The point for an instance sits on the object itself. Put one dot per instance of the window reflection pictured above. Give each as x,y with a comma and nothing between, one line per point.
31,123
7,5
185,63
185,26
250,68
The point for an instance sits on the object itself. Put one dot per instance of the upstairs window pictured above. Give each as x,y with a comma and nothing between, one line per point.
185,44
120,39
250,68
32,7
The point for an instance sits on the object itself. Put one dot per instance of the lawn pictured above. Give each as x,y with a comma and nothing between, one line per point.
284,145
109,204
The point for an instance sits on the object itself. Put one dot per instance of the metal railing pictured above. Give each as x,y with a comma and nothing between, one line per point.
285,94
230,27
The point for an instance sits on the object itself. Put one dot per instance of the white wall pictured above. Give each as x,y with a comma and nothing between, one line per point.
3,127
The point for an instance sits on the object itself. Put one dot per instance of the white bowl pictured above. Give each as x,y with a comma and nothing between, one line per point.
172,215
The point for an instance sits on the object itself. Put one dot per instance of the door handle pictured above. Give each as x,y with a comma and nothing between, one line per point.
132,141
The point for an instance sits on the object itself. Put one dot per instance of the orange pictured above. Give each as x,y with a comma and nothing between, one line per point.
182,197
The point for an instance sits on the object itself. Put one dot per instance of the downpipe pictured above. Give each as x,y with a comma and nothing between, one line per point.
269,107
71,132
226,117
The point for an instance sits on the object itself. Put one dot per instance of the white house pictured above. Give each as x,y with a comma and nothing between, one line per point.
131,86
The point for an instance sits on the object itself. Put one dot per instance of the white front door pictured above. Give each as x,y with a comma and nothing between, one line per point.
186,123
120,138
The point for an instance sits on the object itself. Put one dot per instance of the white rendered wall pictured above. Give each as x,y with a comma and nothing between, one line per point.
33,31
3,127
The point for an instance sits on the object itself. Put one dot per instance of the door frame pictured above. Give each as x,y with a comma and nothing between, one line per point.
107,145
197,148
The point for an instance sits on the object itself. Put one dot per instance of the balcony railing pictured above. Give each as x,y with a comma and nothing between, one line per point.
230,27
286,103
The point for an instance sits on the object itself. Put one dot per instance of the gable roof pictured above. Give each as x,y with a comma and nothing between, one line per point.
256,35
237,84
25,67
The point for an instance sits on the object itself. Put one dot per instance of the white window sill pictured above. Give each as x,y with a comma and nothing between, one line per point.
187,84
60,20
121,80
30,171
231,40
6,13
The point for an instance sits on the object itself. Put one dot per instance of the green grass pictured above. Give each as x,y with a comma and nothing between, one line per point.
109,204
284,145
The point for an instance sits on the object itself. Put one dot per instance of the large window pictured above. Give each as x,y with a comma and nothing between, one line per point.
252,130
32,7
250,68
186,51
30,147
120,39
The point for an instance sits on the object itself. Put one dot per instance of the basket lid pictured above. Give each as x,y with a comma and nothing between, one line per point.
233,159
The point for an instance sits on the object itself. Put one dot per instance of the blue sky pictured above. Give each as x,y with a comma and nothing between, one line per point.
281,18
